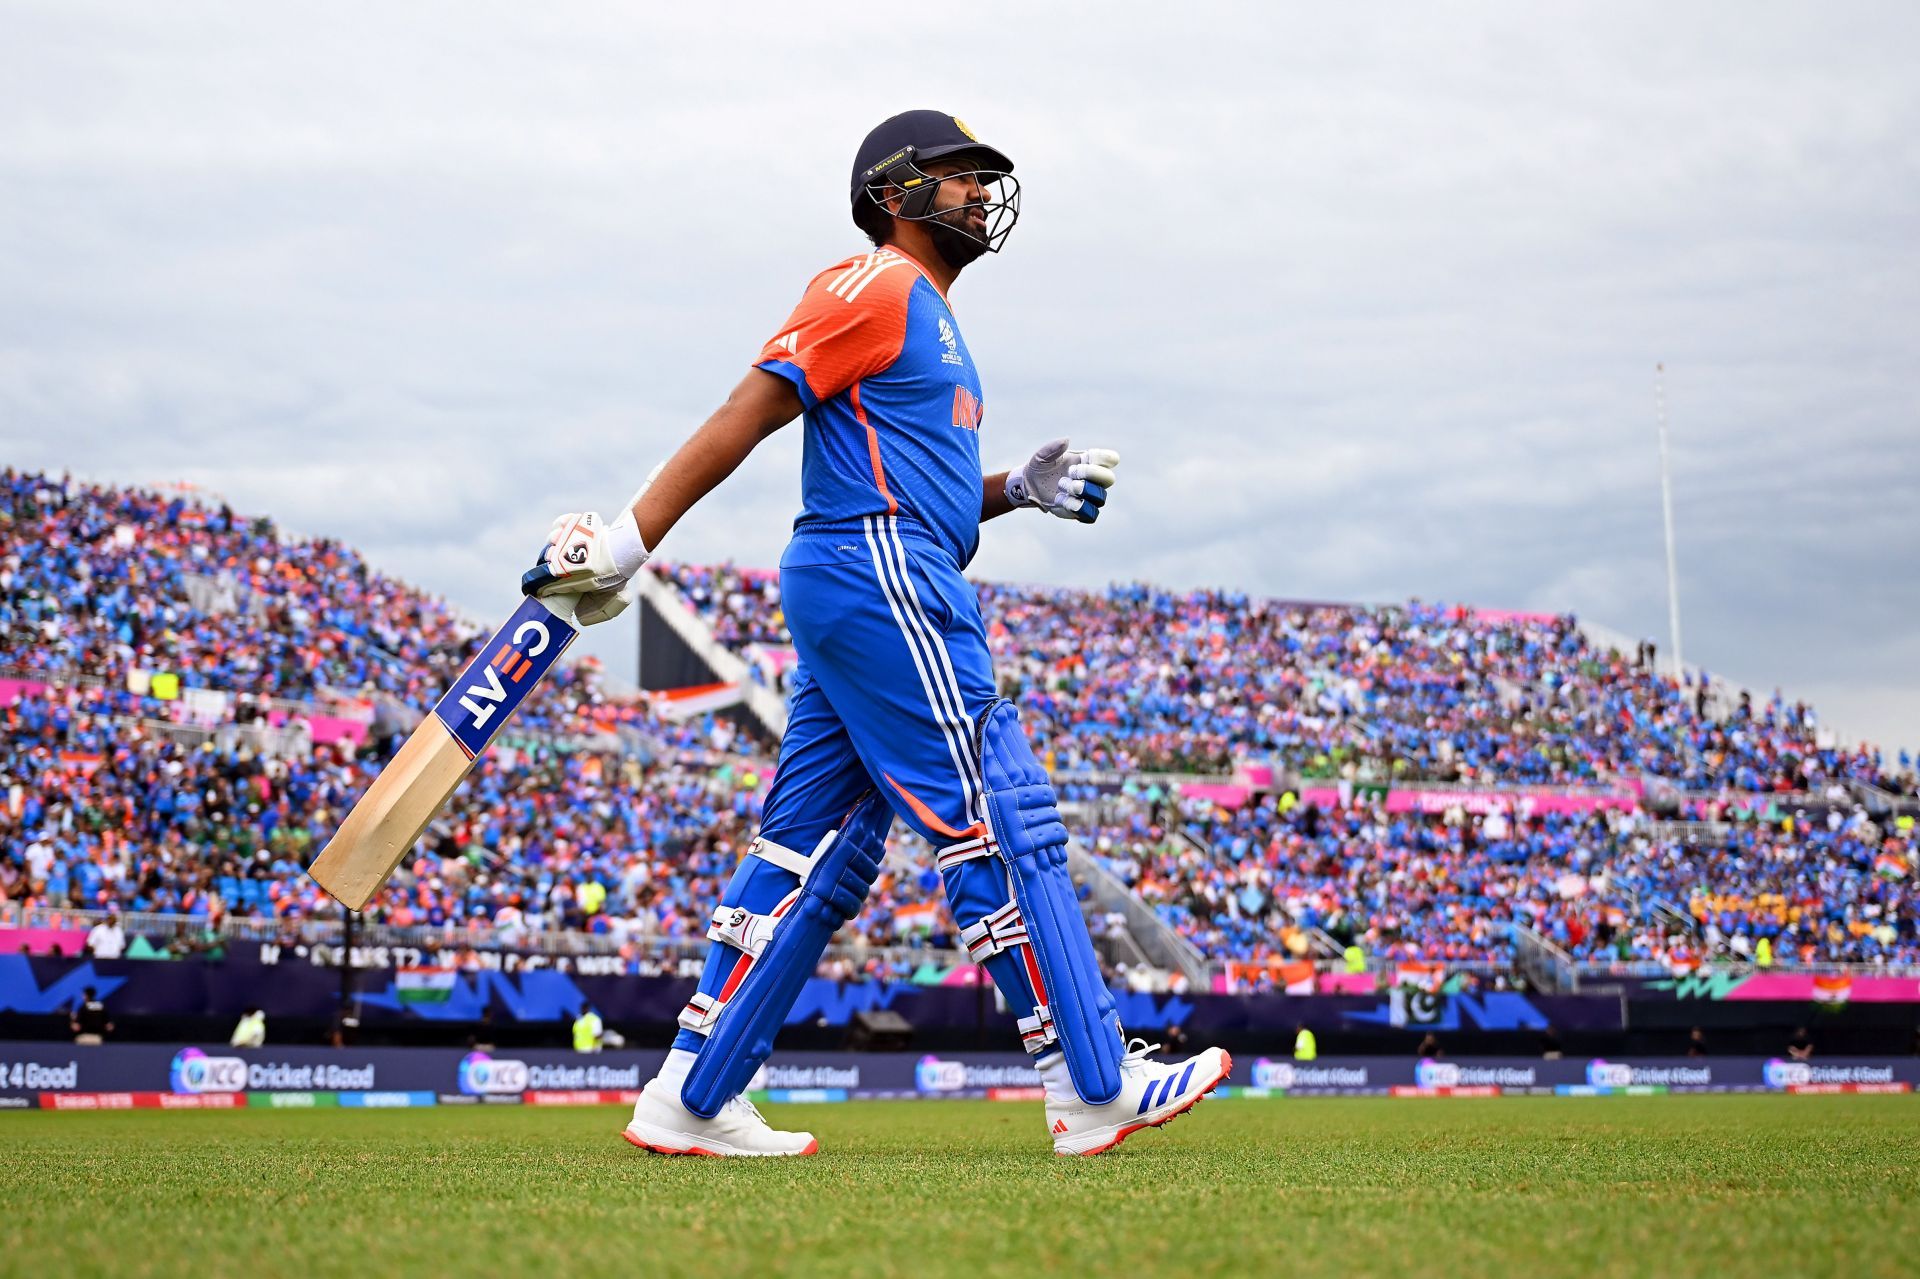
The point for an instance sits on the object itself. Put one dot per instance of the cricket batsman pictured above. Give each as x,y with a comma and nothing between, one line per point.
893,709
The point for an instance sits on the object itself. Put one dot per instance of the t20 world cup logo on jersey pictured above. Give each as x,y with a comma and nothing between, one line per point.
950,340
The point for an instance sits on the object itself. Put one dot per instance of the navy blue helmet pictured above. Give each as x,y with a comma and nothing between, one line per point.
889,162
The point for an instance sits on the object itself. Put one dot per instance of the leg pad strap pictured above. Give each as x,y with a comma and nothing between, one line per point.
997,932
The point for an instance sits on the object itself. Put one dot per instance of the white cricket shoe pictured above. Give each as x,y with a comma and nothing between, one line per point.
662,1124
1151,1093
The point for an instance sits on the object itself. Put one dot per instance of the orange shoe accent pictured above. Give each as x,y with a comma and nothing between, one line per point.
1059,1125
664,1150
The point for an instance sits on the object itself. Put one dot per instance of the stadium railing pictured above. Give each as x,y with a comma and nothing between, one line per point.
344,706
1880,802
1161,945
1543,963
167,930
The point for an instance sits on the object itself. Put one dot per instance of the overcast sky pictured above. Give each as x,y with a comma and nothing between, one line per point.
1369,297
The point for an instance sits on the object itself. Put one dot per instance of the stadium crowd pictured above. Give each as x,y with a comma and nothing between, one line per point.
1134,677
104,803
1258,882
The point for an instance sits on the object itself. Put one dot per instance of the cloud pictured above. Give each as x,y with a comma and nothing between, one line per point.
1370,300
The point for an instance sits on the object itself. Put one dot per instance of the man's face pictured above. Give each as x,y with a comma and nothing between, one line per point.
959,232
950,201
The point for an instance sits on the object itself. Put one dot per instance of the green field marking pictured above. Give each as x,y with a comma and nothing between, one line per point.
1341,1187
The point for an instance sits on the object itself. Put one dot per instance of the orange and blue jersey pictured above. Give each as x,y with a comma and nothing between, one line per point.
894,675
893,404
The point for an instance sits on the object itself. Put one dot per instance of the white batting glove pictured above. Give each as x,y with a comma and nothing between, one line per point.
585,553
587,557
593,604
596,607
1069,483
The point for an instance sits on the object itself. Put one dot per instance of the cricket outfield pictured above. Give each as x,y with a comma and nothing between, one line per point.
1542,1186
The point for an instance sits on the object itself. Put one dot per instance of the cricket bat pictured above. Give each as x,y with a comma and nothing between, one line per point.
384,826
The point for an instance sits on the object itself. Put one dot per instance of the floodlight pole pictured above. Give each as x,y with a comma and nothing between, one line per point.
1666,503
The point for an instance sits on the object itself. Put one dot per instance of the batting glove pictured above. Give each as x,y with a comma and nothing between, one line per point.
596,607
1069,483
585,553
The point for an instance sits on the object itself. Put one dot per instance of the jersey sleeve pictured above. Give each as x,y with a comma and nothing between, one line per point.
850,324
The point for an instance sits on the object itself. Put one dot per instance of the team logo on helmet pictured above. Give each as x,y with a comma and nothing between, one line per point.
961,125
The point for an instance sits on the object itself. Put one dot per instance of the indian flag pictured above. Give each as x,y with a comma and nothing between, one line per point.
677,705
1428,977
1891,865
1297,977
1832,988
424,985
916,917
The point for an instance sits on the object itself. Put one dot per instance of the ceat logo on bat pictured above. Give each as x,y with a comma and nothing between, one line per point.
195,1072
501,675
481,1075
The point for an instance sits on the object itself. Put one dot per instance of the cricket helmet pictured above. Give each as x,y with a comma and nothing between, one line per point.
891,156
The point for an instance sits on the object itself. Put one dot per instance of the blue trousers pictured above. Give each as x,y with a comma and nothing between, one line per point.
893,673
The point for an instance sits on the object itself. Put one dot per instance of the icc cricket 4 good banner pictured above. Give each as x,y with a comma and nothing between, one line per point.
167,1076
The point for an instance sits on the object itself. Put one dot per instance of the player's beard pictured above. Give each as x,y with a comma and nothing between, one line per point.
955,246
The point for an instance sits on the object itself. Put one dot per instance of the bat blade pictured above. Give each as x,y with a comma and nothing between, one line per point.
387,821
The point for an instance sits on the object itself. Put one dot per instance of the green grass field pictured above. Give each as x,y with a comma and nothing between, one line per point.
1658,1186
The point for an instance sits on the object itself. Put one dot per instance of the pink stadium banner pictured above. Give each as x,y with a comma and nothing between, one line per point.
326,729
776,657
1483,801
12,690
1499,615
1220,793
42,941
1803,987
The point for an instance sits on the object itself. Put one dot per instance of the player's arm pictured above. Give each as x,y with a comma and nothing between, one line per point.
597,560
1070,483
762,404
829,342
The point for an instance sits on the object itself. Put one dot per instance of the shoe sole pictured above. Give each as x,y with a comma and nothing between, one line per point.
1226,1069
812,1148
